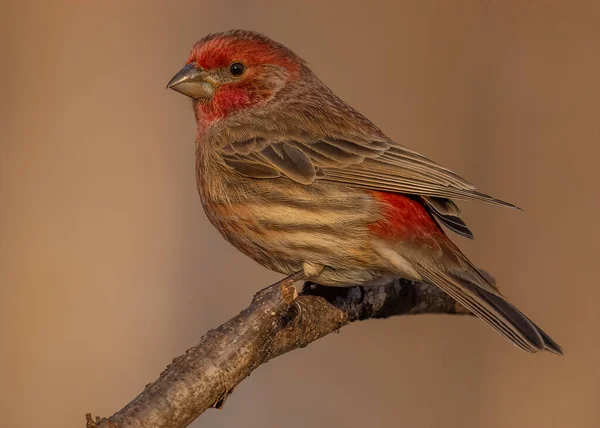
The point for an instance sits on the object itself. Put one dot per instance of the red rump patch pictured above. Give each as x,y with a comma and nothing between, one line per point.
405,219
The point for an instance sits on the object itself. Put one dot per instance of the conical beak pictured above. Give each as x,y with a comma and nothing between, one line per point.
192,81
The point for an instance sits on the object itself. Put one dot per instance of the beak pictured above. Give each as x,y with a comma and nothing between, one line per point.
192,81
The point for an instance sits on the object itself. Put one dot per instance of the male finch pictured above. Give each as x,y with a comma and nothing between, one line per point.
305,185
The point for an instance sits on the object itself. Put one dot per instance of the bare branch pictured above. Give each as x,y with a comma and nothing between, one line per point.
275,323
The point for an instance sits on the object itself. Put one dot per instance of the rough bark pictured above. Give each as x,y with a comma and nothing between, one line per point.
277,321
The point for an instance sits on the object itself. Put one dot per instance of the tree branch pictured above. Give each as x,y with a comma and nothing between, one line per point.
276,322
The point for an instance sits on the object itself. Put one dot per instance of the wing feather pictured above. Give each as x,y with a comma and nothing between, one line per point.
291,161
375,164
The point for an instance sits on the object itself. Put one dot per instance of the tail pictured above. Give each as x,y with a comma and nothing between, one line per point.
412,230
483,300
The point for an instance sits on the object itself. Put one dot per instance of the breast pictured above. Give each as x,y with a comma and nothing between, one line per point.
282,224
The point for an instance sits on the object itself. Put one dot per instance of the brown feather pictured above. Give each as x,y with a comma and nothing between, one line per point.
293,176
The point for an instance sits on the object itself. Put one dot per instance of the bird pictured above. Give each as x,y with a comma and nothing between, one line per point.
302,183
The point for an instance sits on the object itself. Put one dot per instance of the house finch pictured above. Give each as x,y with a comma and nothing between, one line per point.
305,185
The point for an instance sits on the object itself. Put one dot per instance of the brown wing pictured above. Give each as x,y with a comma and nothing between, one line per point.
375,164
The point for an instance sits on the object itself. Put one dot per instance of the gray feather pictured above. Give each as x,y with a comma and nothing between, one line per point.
291,161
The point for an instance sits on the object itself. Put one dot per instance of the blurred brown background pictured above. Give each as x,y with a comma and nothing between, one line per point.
109,267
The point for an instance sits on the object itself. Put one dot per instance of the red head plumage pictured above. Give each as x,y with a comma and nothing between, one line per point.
267,66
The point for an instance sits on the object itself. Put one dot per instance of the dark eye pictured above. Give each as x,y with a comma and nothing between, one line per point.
237,68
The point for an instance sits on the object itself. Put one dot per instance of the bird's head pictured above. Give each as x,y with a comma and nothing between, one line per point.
229,72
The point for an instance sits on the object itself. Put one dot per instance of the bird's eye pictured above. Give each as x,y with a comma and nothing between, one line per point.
237,68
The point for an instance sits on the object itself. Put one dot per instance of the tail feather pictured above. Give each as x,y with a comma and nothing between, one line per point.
448,214
549,344
492,308
514,319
